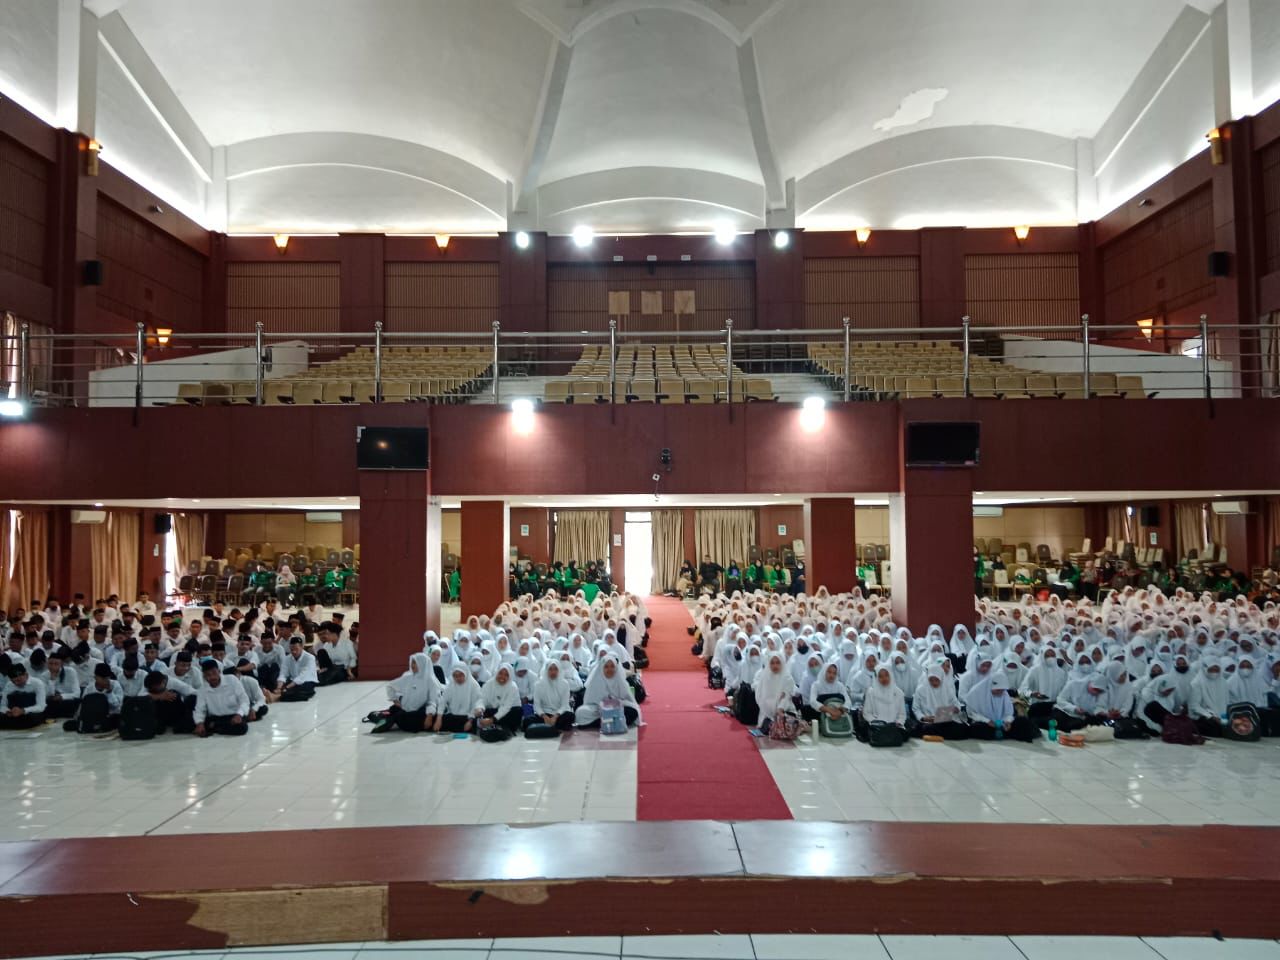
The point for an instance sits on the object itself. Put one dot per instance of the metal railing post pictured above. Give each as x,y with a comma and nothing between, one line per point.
964,333
24,362
139,346
496,327
377,361
613,361
1084,337
847,371
1204,355
258,363
728,359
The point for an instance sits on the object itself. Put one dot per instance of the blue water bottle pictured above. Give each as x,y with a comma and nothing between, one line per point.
999,730
1053,729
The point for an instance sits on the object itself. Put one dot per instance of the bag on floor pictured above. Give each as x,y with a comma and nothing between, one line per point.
745,709
786,726
885,734
841,729
1128,728
639,658
1243,723
1099,733
696,649
137,719
95,711
637,689
613,721
715,677
1181,729
494,734
542,731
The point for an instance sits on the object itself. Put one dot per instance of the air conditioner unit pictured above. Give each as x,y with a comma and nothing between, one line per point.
88,516
1230,508
325,516
982,510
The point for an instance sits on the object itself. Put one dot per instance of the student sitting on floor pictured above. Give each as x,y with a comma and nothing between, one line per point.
221,704
414,698
1082,702
606,681
937,708
991,713
884,713
828,695
23,702
500,697
100,703
774,688
61,685
461,704
299,674
243,671
174,702
1208,701
552,699
335,656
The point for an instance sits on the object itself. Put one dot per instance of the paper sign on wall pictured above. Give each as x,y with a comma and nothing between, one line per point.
782,529
617,539
524,529
1155,538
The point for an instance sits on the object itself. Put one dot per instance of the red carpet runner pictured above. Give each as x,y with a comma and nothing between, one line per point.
694,763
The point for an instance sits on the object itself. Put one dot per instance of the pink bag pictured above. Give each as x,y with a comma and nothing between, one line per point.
786,726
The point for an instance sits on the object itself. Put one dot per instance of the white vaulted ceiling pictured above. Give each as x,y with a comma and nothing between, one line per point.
638,115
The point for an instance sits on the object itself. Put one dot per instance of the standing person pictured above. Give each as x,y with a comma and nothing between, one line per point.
414,698
221,704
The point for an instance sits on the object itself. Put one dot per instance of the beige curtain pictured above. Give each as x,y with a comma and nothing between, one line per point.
668,548
114,547
6,558
1118,527
1188,528
31,558
582,535
724,534
1217,529
188,531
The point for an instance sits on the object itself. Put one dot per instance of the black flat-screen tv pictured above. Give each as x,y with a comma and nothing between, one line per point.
943,444
392,448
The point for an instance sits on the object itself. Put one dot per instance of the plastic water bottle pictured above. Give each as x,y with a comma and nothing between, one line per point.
999,730
1053,729
1226,721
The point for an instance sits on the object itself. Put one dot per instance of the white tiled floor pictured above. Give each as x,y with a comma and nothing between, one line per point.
760,947
305,765
1120,782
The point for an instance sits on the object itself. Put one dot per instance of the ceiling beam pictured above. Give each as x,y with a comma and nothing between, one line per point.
103,8
749,77
543,127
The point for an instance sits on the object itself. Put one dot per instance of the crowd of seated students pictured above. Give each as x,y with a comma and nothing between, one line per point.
134,668
541,664
758,575
564,579
1138,664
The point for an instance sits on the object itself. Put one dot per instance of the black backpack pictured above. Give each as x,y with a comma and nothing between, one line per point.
137,719
637,688
715,677
745,708
94,713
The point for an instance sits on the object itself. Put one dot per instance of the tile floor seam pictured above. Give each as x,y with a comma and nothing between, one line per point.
1154,948
302,736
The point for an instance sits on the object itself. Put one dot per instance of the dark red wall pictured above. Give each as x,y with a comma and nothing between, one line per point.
537,545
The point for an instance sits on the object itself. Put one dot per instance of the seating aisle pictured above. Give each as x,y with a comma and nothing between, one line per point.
694,763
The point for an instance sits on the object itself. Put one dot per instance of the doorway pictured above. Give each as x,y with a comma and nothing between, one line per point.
637,546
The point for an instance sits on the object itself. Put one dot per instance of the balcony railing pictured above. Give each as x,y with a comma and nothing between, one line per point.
848,363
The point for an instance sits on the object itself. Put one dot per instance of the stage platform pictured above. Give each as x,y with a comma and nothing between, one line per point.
607,879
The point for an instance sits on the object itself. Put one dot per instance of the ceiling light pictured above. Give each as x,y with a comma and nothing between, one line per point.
1217,147
863,234
812,414
442,241
281,241
97,505
725,234
781,240
522,415
522,240
1021,233
583,235
12,408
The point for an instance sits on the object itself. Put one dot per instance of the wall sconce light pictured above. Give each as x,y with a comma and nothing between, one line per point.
92,149
1146,325
442,242
1021,233
162,335
813,413
1217,147
281,241
863,234
522,415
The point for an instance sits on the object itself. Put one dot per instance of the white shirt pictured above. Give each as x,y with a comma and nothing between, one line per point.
33,686
300,669
226,699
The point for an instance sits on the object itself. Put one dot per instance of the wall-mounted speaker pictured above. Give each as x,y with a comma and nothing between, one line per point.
164,522
1150,516
92,273
1219,263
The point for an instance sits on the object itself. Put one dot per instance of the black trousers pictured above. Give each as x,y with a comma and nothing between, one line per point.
268,676
563,722
1070,724
175,715
299,692
1041,712
24,722
410,721
509,721
1209,726
453,723
61,709
948,730
627,712
330,672
1022,728
286,595
224,727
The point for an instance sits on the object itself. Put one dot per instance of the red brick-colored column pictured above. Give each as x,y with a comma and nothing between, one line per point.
399,569
931,549
486,535
831,558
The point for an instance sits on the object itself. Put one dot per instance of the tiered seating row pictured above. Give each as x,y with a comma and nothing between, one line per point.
662,374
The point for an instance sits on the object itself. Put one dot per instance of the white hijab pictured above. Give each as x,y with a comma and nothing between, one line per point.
460,699
415,690
498,695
